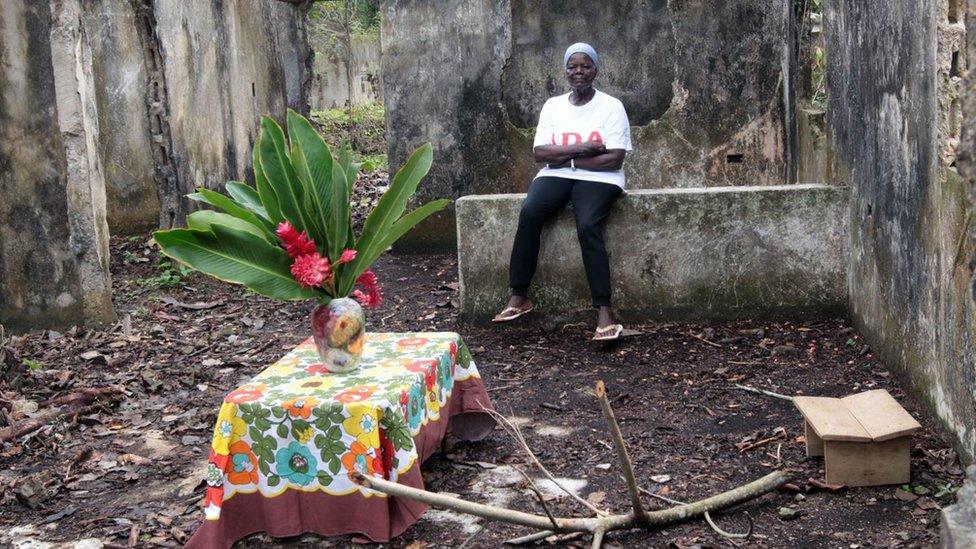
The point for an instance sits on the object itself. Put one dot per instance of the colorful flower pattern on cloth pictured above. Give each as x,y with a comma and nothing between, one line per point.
297,426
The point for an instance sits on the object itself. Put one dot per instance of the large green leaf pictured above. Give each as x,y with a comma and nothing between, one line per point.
235,256
267,194
338,223
202,220
281,175
312,159
397,230
391,206
248,197
233,208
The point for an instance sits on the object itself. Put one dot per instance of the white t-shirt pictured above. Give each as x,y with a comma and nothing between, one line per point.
602,119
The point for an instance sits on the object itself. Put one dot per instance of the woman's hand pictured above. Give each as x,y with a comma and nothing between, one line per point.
586,149
557,155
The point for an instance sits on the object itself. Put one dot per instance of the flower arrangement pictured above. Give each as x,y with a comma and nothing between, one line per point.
290,236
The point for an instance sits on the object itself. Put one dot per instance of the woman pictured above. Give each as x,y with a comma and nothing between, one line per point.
582,138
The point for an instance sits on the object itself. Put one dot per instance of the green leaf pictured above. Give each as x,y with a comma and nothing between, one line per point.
389,237
338,222
312,159
237,257
233,208
201,220
249,198
281,175
267,194
388,210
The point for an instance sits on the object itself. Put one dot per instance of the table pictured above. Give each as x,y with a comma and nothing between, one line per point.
287,442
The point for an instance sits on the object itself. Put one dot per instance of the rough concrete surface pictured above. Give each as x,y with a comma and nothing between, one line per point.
53,234
674,253
911,269
706,85
959,520
329,88
180,87
227,63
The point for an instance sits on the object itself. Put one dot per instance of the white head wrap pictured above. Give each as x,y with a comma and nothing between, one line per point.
581,47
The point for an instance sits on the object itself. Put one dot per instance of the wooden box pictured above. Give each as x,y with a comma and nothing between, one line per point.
865,438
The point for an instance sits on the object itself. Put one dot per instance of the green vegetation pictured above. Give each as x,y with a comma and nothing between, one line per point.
363,128
168,276
291,237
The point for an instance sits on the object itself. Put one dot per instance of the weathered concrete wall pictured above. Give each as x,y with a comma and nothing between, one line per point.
329,89
226,63
675,253
53,234
180,90
911,269
118,33
705,83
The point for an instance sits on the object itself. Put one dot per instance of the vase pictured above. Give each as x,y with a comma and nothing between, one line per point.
339,331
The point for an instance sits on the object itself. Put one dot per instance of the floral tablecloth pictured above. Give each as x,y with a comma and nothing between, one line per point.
287,442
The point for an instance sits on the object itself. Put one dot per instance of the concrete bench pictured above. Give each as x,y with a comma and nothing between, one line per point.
697,253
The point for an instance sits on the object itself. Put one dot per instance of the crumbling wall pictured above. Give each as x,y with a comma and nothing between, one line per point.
180,89
53,234
329,89
911,270
706,84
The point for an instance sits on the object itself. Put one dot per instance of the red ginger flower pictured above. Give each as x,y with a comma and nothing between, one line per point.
311,270
296,244
346,257
372,296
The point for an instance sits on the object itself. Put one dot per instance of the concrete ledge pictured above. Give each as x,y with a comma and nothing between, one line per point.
698,253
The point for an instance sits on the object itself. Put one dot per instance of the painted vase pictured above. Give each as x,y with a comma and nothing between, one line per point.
339,331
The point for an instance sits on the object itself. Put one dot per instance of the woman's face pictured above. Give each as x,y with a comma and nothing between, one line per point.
580,71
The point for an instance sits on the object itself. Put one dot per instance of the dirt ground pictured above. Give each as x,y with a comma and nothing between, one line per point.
128,473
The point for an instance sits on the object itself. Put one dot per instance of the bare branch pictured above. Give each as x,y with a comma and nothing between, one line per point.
762,392
618,440
517,435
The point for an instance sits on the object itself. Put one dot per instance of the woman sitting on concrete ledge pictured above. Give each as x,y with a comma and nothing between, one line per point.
582,138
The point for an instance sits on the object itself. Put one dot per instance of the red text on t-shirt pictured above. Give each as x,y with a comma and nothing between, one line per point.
572,138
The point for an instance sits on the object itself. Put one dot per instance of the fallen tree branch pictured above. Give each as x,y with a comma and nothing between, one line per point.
596,526
618,441
85,396
517,435
655,519
79,403
762,392
708,516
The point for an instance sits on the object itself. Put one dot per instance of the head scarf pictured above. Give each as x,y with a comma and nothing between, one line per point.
581,47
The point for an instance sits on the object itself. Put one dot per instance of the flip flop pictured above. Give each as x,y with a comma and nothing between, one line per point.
511,313
608,333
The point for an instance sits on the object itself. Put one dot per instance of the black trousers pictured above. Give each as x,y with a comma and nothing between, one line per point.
591,205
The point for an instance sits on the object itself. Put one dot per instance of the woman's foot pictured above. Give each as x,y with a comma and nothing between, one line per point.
517,306
607,328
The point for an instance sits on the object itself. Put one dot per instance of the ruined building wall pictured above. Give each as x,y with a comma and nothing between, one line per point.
706,85
53,234
180,89
890,91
